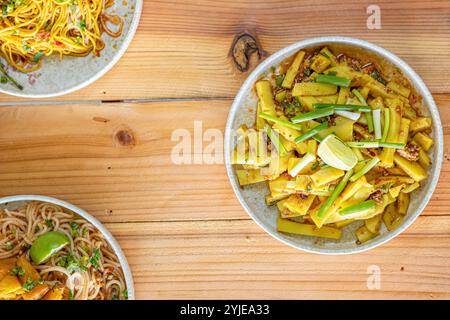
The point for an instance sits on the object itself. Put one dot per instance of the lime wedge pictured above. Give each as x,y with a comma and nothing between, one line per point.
336,154
46,245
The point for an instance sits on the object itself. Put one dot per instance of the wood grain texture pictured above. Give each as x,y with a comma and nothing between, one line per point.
181,49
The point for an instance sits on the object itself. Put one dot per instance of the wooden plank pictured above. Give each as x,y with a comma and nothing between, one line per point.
229,260
181,49
80,153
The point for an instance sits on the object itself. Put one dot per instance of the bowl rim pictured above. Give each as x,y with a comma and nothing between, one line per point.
108,236
123,48
415,79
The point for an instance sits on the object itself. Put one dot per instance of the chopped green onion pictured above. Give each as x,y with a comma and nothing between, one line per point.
369,166
275,140
375,144
282,122
302,163
38,56
336,192
330,79
377,123
392,145
359,207
312,132
376,75
363,144
369,121
319,113
411,187
343,107
386,124
317,138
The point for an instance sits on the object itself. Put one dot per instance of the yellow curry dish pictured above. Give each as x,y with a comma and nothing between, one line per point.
339,138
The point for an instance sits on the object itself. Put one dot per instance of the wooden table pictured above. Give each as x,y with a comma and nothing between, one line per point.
107,149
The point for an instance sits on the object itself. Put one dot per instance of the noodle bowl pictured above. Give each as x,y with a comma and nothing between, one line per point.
86,268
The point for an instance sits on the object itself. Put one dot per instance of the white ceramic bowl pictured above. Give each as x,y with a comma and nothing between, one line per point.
252,197
16,201
58,77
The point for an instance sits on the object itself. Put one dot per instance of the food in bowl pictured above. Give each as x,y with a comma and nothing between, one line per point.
340,137
31,30
49,253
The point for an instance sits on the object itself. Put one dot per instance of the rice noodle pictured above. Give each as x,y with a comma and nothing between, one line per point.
19,228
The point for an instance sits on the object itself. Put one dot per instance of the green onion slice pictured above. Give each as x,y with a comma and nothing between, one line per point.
386,124
282,122
275,140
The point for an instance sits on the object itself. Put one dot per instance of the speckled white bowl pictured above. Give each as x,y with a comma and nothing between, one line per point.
252,197
58,77
14,202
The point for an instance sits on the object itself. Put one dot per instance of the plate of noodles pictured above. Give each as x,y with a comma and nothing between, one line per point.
334,145
52,250
53,47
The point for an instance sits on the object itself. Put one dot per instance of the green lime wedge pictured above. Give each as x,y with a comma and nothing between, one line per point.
336,154
46,245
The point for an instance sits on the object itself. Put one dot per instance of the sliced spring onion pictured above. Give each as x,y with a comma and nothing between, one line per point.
359,207
377,123
392,145
312,132
342,107
336,192
363,144
10,79
359,96
302,163
411,187
369,121
329,79
375,144
282,122
369,166
273,136
319,113
349,115
386,124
